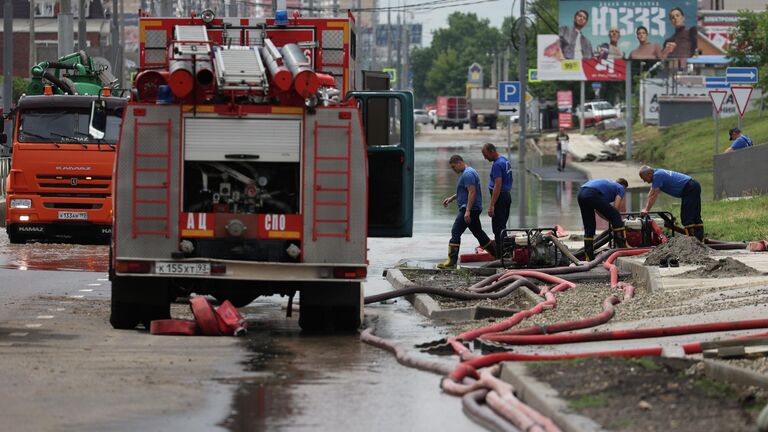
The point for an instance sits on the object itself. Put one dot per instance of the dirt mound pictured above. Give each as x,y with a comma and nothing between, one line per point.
722,268
686,249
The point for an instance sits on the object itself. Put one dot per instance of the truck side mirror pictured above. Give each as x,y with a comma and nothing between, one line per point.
97,123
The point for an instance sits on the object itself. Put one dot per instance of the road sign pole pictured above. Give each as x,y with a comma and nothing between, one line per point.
628,119
521,176
716,115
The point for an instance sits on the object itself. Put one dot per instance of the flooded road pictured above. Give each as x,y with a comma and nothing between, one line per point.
292,381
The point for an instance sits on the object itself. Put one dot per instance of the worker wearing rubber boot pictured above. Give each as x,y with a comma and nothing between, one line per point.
607,198
500,187
469,198
679,186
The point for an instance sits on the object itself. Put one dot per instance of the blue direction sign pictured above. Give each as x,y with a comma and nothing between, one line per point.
741,74
716,82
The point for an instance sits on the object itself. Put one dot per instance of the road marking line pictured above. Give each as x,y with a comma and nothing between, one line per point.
102,280
45,317
18,334
33,325
86,290
59,309
77,296
94,284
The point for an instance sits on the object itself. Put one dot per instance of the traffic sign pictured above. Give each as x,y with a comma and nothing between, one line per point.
745,75
597,85
716,82
533,76
741,95
392,74
718,96
509,95
475,74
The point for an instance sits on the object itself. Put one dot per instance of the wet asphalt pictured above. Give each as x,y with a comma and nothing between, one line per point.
292,381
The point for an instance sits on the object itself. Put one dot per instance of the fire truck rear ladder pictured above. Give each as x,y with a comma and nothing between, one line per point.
145,185
345,174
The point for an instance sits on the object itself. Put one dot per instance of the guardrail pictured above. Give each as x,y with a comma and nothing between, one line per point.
5,168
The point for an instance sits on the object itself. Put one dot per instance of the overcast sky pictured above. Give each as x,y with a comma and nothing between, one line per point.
435,19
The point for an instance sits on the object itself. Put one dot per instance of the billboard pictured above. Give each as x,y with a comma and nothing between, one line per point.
552,66
630,29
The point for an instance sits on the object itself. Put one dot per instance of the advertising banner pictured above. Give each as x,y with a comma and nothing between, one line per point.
564,99
630,29
552,66
565,120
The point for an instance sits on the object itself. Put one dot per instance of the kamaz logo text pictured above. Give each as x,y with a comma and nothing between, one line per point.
31,229
74,168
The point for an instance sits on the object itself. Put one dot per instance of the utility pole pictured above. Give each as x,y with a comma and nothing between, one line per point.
407,56
523,206
121,46
389,36
628,119
32,36
115,36
66,40
7,69
82,30
399,61
233,8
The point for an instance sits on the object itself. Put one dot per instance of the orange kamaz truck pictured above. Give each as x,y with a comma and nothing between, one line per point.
60,181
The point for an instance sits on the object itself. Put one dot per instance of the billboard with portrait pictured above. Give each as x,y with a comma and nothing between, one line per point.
553,66
630,29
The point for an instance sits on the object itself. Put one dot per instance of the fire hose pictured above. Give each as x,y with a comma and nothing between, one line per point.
512,286
626,334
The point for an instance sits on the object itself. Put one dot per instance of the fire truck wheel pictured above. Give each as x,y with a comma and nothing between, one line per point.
330,308
125,316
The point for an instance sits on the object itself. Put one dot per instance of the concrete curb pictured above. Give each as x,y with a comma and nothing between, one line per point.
733,374
648,276
545,399
430,308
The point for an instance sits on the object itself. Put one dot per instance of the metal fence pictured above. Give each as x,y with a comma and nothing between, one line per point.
5,168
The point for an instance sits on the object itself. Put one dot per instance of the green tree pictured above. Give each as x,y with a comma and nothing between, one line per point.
750,44
447,76
438,68
19,87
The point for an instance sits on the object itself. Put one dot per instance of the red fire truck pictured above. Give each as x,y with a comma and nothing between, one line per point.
253,162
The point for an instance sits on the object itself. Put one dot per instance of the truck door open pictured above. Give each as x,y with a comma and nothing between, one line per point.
389,130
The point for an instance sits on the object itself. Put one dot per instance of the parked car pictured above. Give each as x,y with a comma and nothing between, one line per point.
597,111
420,116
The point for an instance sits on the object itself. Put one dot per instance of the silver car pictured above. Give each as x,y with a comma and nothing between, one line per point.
420,116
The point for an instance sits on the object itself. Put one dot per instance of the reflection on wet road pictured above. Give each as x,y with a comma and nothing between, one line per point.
53,256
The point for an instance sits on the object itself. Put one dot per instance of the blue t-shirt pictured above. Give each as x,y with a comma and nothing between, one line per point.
469,177
501,168
741,142
608,188
670,182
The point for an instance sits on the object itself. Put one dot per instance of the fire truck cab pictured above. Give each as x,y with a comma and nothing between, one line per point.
251,162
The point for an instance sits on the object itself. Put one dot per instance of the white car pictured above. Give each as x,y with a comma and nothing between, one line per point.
420,116
597,111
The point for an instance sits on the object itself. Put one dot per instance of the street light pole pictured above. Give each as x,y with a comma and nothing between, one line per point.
7,68
523,205
66,40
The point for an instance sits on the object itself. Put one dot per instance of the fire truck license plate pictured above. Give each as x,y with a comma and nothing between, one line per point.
73,215
182,268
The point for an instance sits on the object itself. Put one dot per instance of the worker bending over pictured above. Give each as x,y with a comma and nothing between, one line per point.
679,186
607,198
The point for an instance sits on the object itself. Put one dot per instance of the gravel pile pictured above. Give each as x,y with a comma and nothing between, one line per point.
722,268
686,249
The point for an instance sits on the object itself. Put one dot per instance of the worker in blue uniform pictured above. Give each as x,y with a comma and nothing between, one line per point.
679,186
607,198
500,186
740,141
469,198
